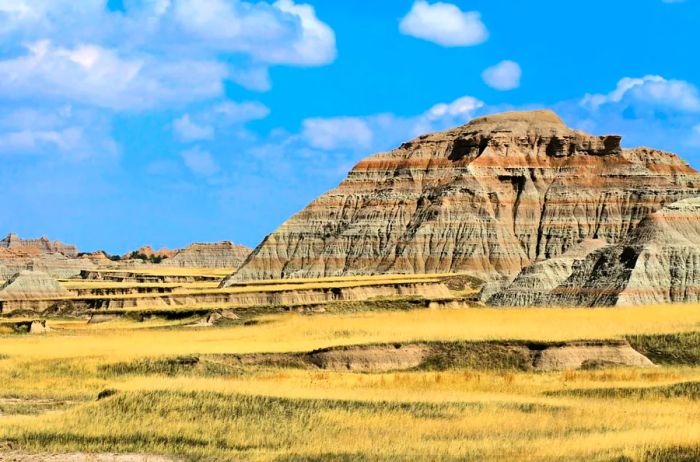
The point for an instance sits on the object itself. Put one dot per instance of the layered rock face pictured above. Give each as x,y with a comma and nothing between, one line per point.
32,285
58,259
534,284
43,245
55,264
488,198
216,255
667,268
658,263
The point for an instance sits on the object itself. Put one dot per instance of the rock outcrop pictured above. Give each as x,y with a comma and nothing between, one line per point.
56,265
489,198
215,255
534,284
32,285
659,262
148,252
43,245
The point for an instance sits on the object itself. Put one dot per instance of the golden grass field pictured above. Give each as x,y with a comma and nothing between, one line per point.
154,402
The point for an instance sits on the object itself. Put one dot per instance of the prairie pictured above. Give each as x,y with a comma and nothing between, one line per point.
156,387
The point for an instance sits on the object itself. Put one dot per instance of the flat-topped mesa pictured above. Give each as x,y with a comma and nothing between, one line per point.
489,198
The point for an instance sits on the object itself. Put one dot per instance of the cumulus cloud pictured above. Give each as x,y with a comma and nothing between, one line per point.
99,77
200,162
650,91
155,53
503,76
281,33
444,24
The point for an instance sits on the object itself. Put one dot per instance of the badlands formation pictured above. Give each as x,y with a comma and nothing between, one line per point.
658,263
516,197
216,255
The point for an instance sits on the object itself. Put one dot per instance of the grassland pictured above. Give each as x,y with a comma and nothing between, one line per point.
158,387
150,383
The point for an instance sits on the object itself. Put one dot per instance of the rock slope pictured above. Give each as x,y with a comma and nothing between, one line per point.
488,198
32,285
535,283
659,262
215,255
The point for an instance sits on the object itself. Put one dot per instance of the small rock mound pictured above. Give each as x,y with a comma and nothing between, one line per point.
370,359
32,285
215,255
578,355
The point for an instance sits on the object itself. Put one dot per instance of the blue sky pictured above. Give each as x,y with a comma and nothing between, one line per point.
164,122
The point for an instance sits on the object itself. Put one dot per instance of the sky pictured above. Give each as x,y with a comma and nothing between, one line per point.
165,122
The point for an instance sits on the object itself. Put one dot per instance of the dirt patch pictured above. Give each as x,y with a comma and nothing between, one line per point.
589,355
436,356
372,359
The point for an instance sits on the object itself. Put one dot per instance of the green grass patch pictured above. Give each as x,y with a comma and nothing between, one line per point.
685,390
673,454
491,356
682,349
201,425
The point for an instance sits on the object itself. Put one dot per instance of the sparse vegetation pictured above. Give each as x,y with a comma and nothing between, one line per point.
681,348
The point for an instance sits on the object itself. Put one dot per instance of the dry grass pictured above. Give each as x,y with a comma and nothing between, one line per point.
267,413
294,332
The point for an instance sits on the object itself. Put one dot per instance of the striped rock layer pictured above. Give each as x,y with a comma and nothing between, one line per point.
212,255
658,263
488,198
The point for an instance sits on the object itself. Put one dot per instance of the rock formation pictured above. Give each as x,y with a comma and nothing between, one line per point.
56,265
216,255
148,252
488,198
659,262
534,284
32,285
43,245
53,257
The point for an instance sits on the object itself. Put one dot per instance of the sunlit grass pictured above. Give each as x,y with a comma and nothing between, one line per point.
268,413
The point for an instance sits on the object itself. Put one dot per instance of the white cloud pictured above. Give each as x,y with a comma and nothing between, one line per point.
55,132
157,52
231,112
202,125
444,24
503,76
337,133
382,131
100,77
200,162
651,91
187,130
